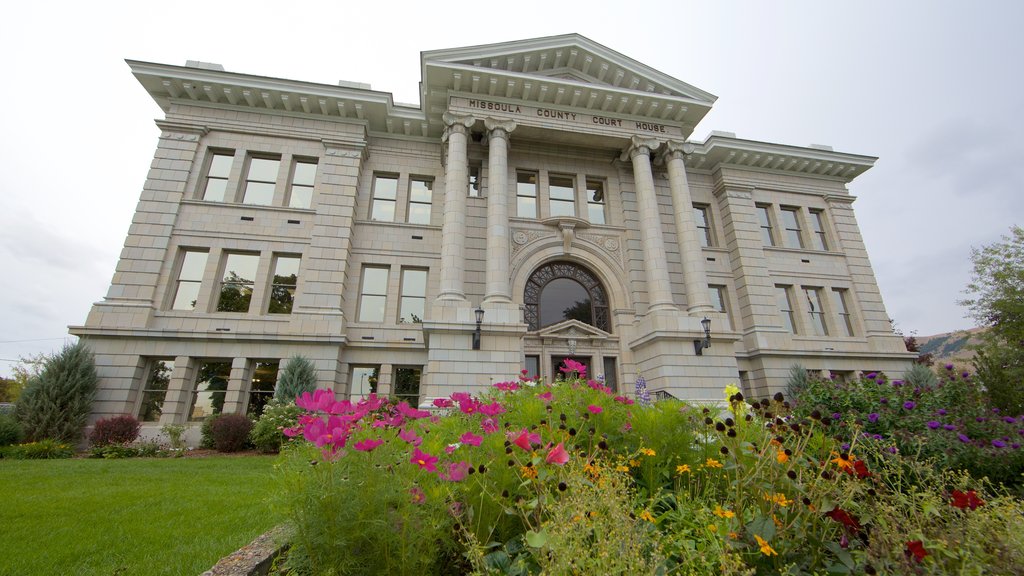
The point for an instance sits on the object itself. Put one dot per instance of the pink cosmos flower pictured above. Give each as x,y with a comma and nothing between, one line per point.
372,402
471,439
507,386
569,366
319,400
524,439
470,406
492,409
546,397
418,497
461,397
410,436
489,425
557,455
423,460
595,409
595,385
455,471
367,445
443,403
623,400
411,413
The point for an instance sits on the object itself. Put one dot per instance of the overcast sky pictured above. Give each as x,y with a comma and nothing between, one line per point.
934,89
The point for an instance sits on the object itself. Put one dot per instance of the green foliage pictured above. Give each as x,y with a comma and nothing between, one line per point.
56,403
798,381
230,432
115,430
43,449
206,431
174,433
1001,369
10,431
116,451
298,376
267,434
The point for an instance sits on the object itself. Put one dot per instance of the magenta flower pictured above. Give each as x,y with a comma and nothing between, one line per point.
410,436
367,445
469,406
507,386
492,409
471,439
319,400
489,425
418,497
423,460
455,471
411,413
524,439
443,403
557,455
569,366
595,409
623,400
545,397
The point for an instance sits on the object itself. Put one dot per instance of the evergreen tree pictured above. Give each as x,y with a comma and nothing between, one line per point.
56,403
297,377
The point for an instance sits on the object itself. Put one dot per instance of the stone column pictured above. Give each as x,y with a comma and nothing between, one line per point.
698,300
453,232
498,289
659,291
235,396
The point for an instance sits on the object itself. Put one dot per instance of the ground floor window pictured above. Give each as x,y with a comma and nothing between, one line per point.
261,390
533,367
210,389
407,384
154,390
611,374
562,291
364,380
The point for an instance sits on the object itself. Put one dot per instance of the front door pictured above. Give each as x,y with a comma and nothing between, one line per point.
556,365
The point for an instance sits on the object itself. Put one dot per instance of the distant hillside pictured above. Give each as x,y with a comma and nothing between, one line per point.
951,346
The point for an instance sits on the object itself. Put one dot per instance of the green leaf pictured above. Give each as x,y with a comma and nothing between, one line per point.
536,539
763,527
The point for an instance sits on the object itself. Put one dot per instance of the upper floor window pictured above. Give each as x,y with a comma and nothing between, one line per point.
816,311
595,201
190,278
767,235
843,309
282,287
373,294
791,225
562,196
526,194
421,193
818,227
260,181
700,216
414,295
385,193
786,308
303,177
237,283
216,185
474,180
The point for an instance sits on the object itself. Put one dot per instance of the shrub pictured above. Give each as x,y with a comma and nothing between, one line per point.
798,381
267,434
206,432
10,430
230,432
42,449
298,377
56,403
116,430
174,433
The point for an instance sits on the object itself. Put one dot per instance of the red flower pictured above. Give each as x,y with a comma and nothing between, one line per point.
916,549
859,468
969,499
557,455
524,439
844,518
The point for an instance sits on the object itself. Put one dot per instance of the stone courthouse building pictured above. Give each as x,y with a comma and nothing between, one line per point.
548,183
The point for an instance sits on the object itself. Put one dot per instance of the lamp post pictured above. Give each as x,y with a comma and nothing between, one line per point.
476,333
700,345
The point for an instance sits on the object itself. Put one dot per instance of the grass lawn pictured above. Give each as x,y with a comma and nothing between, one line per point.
134,516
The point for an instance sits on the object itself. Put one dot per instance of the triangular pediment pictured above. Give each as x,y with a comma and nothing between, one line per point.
572,329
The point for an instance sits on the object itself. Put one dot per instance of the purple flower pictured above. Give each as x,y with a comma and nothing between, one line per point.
1009,420
963,438
932,424
979,419
845,447
995,410
949,427
949,366
1015,446
999,444
909,405
941,411
873,417
897,383
966,375
883,400
871,376
836,415
892,449
877,436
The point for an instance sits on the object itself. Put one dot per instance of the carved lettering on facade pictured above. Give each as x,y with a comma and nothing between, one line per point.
537,113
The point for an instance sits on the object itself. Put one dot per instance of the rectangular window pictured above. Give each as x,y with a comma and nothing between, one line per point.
216,185
303,177
818,226
154,390
718,298
385,192
261,389
791,225
767,236
843,309
364,380
526,194
414,296
532,367
407,385
190,278
373,295
562,196
421,193
611,374
211,388
474,180
282,287
595,201
786,308
817,313
260,181
700,216
237,284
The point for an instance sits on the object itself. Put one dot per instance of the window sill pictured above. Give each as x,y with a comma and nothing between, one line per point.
263,207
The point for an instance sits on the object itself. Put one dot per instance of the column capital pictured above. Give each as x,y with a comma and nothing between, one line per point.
640,145
675,149
457,123
497,127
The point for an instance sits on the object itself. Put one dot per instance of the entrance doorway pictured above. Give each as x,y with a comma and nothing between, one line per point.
556,365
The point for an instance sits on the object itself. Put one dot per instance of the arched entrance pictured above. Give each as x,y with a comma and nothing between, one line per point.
560,291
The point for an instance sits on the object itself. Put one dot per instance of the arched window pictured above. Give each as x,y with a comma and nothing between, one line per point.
565,291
